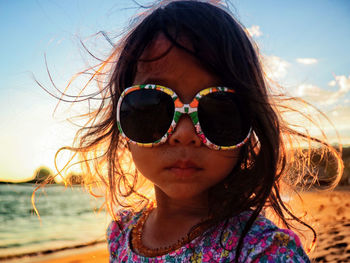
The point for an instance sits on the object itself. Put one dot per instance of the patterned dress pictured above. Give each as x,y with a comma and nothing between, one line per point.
263,243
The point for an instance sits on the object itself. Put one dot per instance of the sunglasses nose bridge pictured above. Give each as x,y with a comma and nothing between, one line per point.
186,109
183,128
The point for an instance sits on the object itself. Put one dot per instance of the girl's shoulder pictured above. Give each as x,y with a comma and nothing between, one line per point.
261,225
125,219
265,241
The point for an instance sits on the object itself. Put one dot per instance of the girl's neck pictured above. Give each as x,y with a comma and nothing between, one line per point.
172,220
180,208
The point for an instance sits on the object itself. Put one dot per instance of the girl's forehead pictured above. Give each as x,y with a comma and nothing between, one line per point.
173,67
157,47
154,58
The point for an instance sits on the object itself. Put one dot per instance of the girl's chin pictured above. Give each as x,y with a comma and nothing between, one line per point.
182,192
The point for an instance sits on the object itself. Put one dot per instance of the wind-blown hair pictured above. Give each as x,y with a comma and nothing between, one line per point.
268,161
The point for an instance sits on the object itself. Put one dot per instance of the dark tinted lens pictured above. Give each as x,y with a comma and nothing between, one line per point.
146,115
223,119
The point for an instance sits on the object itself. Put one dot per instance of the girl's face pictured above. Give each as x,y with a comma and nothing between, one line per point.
183,167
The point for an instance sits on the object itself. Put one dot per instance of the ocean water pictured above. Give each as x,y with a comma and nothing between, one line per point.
69,217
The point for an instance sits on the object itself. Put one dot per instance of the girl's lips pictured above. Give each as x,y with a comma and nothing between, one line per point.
184,168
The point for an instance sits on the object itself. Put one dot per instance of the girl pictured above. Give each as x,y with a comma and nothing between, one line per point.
188,99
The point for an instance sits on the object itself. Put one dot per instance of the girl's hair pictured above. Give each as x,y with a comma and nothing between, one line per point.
277,154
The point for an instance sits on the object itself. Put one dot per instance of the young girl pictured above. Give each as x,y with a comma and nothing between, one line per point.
188,99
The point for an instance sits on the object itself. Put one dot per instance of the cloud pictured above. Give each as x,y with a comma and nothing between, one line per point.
343,83
332,83
254,31
307,61
340,118
275,67
334,103
316,94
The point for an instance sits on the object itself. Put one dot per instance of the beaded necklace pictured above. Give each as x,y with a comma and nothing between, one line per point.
139,247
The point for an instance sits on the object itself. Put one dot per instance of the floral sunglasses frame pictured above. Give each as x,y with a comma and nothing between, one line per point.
190,109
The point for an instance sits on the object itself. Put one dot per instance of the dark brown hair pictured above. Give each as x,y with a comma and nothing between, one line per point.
272,157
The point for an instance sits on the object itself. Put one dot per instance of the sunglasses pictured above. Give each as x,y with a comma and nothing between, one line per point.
148,114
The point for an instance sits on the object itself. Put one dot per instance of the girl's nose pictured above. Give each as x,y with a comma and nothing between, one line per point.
185,133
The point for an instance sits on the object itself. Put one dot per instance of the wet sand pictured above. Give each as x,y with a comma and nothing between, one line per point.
89,254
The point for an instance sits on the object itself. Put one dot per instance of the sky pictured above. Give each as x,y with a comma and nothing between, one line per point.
304,45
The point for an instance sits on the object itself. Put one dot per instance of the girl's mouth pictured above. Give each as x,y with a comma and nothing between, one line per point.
184,168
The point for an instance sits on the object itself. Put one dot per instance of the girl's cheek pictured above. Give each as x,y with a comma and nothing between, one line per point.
232,155
224,160
145,159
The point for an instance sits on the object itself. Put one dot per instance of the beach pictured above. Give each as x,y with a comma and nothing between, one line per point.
328,213
88,254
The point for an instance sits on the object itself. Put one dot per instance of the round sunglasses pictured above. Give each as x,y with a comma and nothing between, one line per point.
148,114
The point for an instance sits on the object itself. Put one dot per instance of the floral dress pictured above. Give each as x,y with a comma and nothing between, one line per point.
263,243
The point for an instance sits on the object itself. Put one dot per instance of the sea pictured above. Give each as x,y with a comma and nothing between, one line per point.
69,217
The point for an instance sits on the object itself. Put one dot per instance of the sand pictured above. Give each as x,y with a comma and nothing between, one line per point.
89,254
328,213
92,256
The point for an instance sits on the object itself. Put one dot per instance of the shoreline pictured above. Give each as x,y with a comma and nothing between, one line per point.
44,255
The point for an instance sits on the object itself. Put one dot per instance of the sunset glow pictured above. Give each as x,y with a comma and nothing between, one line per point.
308,56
